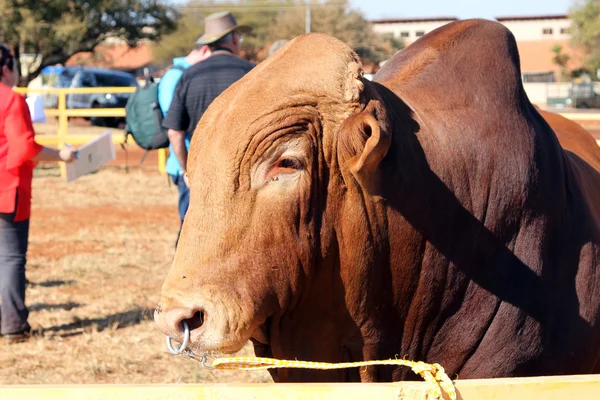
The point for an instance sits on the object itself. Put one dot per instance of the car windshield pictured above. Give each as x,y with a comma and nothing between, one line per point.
108,80
65,78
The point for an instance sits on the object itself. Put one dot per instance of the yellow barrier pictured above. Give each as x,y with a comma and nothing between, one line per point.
51,140
63,115
547,388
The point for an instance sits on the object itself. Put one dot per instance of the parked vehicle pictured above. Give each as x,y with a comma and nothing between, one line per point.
584,96
576,95
87,77
56,77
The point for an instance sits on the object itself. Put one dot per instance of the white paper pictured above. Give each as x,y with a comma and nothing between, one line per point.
36,109
92,156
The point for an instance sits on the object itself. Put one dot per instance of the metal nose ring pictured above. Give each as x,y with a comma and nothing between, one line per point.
173,349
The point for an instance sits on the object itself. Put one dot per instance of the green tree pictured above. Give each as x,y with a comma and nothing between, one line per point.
561,59
181,40
54,30
258,14
585,30
338,19
279,19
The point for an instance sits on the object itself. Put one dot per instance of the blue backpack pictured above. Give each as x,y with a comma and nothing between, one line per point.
144,118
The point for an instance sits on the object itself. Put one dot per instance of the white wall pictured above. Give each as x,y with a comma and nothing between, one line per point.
538,92
396,28
533,29
523,30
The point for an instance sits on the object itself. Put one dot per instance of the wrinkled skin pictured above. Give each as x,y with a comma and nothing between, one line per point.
431,214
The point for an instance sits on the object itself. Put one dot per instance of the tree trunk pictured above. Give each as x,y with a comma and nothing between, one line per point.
17,53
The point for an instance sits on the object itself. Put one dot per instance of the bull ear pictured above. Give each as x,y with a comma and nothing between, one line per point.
364,143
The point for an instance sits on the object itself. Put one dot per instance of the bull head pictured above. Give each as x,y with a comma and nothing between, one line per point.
281,167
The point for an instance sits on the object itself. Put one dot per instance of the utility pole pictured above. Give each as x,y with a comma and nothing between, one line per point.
307,18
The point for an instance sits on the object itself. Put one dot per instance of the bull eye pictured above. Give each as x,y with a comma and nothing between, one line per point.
284,166
289,163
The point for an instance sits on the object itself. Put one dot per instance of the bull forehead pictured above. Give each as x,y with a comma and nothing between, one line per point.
310,69
313,64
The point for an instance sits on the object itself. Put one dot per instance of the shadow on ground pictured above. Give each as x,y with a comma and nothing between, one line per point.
113,321
52,283
51,307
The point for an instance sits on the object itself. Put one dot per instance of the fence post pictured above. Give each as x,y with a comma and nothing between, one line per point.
162,161
63,125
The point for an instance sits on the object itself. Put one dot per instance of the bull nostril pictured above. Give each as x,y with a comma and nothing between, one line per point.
196,321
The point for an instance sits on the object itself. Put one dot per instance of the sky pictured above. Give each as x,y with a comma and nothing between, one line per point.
374,9
489,9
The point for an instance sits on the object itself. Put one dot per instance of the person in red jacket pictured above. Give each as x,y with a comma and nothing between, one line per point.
18,154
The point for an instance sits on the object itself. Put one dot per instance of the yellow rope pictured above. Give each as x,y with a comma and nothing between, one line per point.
433,374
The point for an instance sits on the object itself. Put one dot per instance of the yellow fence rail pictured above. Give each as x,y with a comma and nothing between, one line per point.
538,388
63,114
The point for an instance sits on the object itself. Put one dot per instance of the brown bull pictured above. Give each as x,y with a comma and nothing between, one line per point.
431,214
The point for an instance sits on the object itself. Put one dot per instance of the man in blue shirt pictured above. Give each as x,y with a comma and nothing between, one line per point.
166,89
205,81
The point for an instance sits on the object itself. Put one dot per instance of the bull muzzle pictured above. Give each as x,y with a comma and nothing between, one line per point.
180,323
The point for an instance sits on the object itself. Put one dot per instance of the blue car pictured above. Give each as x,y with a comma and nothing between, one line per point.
88,77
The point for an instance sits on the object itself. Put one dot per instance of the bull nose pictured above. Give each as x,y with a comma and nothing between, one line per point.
170,321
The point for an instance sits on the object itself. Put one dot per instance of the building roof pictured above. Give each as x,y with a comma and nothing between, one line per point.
119,56
443,19
531,17
408,20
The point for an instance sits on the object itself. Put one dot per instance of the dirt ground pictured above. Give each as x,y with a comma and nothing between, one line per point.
99,250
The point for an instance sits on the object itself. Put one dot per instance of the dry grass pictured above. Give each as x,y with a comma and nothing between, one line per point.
99,250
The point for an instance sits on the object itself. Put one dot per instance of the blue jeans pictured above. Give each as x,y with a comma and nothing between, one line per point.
184,195
184,199
13,250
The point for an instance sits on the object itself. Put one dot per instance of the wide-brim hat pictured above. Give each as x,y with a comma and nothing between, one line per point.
218,25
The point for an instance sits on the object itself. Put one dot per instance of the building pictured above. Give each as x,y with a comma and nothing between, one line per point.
409,29
538,28
536,38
